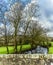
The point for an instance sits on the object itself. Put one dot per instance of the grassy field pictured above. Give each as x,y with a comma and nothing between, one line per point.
3,50
51,49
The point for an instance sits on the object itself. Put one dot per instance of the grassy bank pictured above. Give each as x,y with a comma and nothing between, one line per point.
3,50
51,49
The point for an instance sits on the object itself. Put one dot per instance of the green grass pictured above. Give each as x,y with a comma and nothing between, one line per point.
51,43
51,49
3,50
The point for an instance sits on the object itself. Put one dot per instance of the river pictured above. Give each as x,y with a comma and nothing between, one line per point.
38,50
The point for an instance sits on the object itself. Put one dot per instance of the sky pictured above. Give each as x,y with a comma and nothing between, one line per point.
46,8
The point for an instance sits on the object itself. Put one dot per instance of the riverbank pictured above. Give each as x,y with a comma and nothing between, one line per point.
26,49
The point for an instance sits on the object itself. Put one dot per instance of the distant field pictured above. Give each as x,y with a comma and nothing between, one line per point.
3,50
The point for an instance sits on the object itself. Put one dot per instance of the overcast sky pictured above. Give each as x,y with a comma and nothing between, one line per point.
46,18
46,7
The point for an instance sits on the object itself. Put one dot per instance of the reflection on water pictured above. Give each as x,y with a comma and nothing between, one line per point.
38,50
41,50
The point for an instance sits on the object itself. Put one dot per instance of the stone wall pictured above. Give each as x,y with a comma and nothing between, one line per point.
27,59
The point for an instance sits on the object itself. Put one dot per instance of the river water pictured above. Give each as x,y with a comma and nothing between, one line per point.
38,50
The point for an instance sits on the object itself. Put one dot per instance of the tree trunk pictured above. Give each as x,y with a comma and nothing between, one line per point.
15,39
21,48
20,41
6,43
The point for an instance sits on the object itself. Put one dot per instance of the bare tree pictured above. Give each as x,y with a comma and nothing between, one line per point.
28,15
14,16
32,27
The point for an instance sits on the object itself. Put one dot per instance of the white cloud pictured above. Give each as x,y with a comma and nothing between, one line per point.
51,17
46,13
35,19
33,1
1,25
46,4
51,2
46,8
44,21
50,34
46,24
